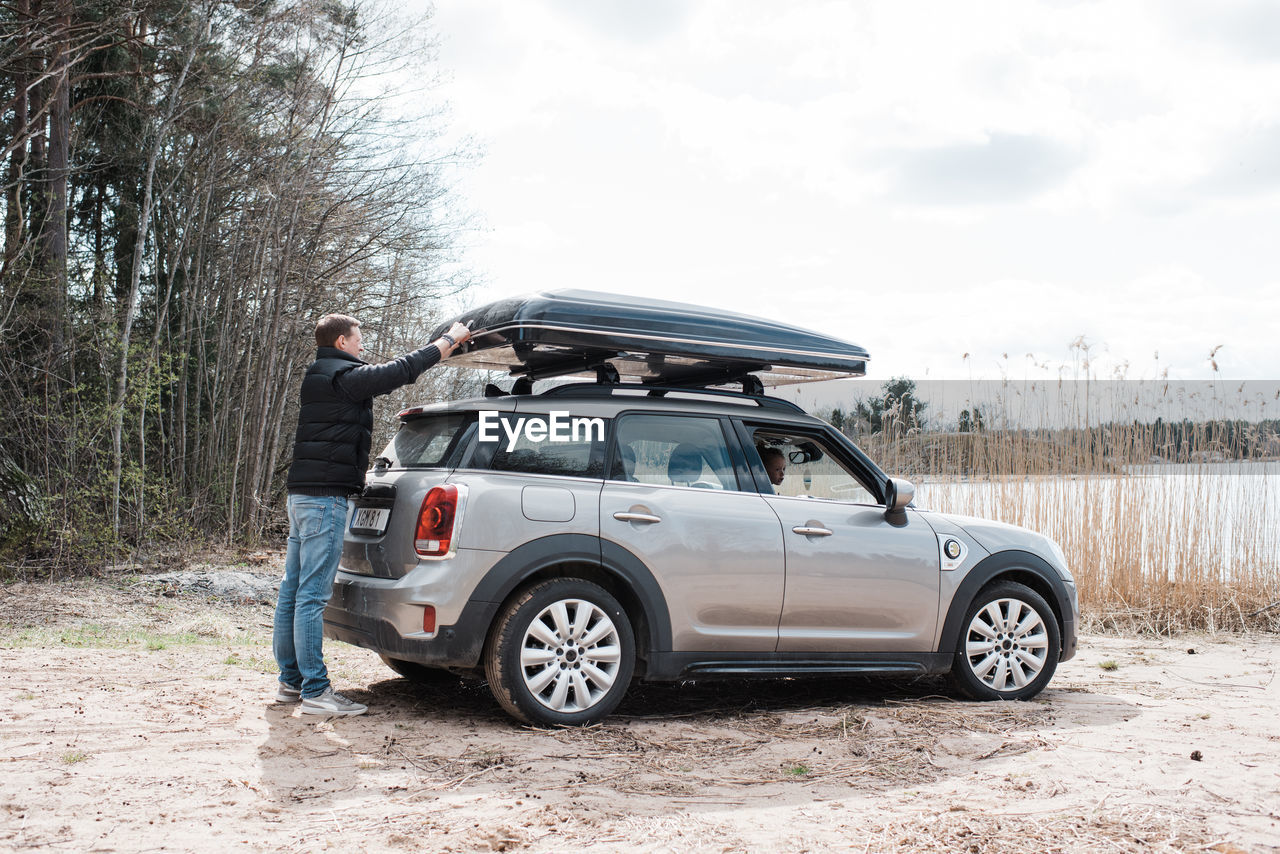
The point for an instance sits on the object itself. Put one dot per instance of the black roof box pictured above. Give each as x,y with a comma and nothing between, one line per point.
569,333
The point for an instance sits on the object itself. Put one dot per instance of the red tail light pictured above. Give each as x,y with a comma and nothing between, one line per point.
435,521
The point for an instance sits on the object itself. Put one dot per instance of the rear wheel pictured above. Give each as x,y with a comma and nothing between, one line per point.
1009,644
561,654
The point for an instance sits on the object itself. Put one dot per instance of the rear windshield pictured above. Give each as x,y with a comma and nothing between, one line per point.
426,442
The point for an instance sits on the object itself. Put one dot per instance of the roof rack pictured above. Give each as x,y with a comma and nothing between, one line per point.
608,374
607,390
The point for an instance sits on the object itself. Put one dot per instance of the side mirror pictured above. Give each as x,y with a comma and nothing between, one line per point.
897,495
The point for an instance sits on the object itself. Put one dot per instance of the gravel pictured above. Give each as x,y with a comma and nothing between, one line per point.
238,586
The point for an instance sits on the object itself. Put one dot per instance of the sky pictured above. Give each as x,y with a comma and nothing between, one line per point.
1004,189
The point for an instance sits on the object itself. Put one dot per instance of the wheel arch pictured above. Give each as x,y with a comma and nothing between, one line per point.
607,564
1018,566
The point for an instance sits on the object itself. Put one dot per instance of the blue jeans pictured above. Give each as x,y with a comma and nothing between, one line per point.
316,525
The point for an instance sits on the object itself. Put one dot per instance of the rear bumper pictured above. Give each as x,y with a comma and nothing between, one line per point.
357,615
456,646
385,614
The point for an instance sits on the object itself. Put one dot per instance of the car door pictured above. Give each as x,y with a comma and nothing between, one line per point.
675,500
854,581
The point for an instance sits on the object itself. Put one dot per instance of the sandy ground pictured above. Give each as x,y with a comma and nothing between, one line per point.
135,721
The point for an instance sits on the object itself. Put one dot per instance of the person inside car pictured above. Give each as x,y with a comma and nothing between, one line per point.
775,463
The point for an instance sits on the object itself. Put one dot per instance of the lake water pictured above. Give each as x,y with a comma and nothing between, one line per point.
1197,522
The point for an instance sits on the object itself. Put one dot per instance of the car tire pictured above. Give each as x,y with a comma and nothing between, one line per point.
420,674
1009,644
561,653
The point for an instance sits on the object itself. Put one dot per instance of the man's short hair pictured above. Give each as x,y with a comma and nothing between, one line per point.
332,326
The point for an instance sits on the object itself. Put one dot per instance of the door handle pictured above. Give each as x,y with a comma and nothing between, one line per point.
623,516
811,532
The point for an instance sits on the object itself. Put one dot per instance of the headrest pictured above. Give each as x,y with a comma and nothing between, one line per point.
685,464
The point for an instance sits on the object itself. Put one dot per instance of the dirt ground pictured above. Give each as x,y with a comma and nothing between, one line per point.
132,720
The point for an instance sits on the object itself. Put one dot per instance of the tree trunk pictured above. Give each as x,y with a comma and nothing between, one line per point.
131,306
54,234
37,197
14,218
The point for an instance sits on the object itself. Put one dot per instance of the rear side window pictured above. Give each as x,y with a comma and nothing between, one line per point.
536,444
673,450
425,442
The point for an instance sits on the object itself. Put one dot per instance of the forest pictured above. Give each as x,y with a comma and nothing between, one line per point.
187,187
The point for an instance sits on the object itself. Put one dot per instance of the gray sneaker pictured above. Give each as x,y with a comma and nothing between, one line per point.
332,703
287,693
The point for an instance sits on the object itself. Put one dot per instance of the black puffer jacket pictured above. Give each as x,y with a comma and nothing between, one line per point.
335,423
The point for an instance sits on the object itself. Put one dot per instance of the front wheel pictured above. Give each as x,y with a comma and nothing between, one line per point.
561,654
1009,645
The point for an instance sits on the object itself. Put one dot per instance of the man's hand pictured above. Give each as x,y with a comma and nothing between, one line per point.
460,335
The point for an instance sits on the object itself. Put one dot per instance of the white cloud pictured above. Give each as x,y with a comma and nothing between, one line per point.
928,180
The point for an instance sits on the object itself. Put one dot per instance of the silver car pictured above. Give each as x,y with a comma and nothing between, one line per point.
565,543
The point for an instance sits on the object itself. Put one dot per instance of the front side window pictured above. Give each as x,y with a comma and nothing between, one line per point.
801,466
672,450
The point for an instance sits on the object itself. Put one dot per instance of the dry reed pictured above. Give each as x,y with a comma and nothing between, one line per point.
1166,526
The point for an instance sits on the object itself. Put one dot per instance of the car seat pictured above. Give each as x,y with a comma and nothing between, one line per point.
684,466
625,464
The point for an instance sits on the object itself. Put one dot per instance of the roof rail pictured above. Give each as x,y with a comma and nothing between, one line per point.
607,390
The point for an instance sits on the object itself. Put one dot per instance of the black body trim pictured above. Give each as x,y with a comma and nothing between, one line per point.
527,560
672,666
377,495
1003,564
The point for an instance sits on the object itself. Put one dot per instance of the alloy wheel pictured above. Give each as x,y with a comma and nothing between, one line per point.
1007,644
570,655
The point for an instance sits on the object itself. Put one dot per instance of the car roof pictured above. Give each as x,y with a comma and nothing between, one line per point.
578,333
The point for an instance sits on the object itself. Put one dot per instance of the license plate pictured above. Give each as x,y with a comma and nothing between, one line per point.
370,519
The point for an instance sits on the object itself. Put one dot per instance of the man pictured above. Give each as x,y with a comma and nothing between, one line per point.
330,456
775,463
